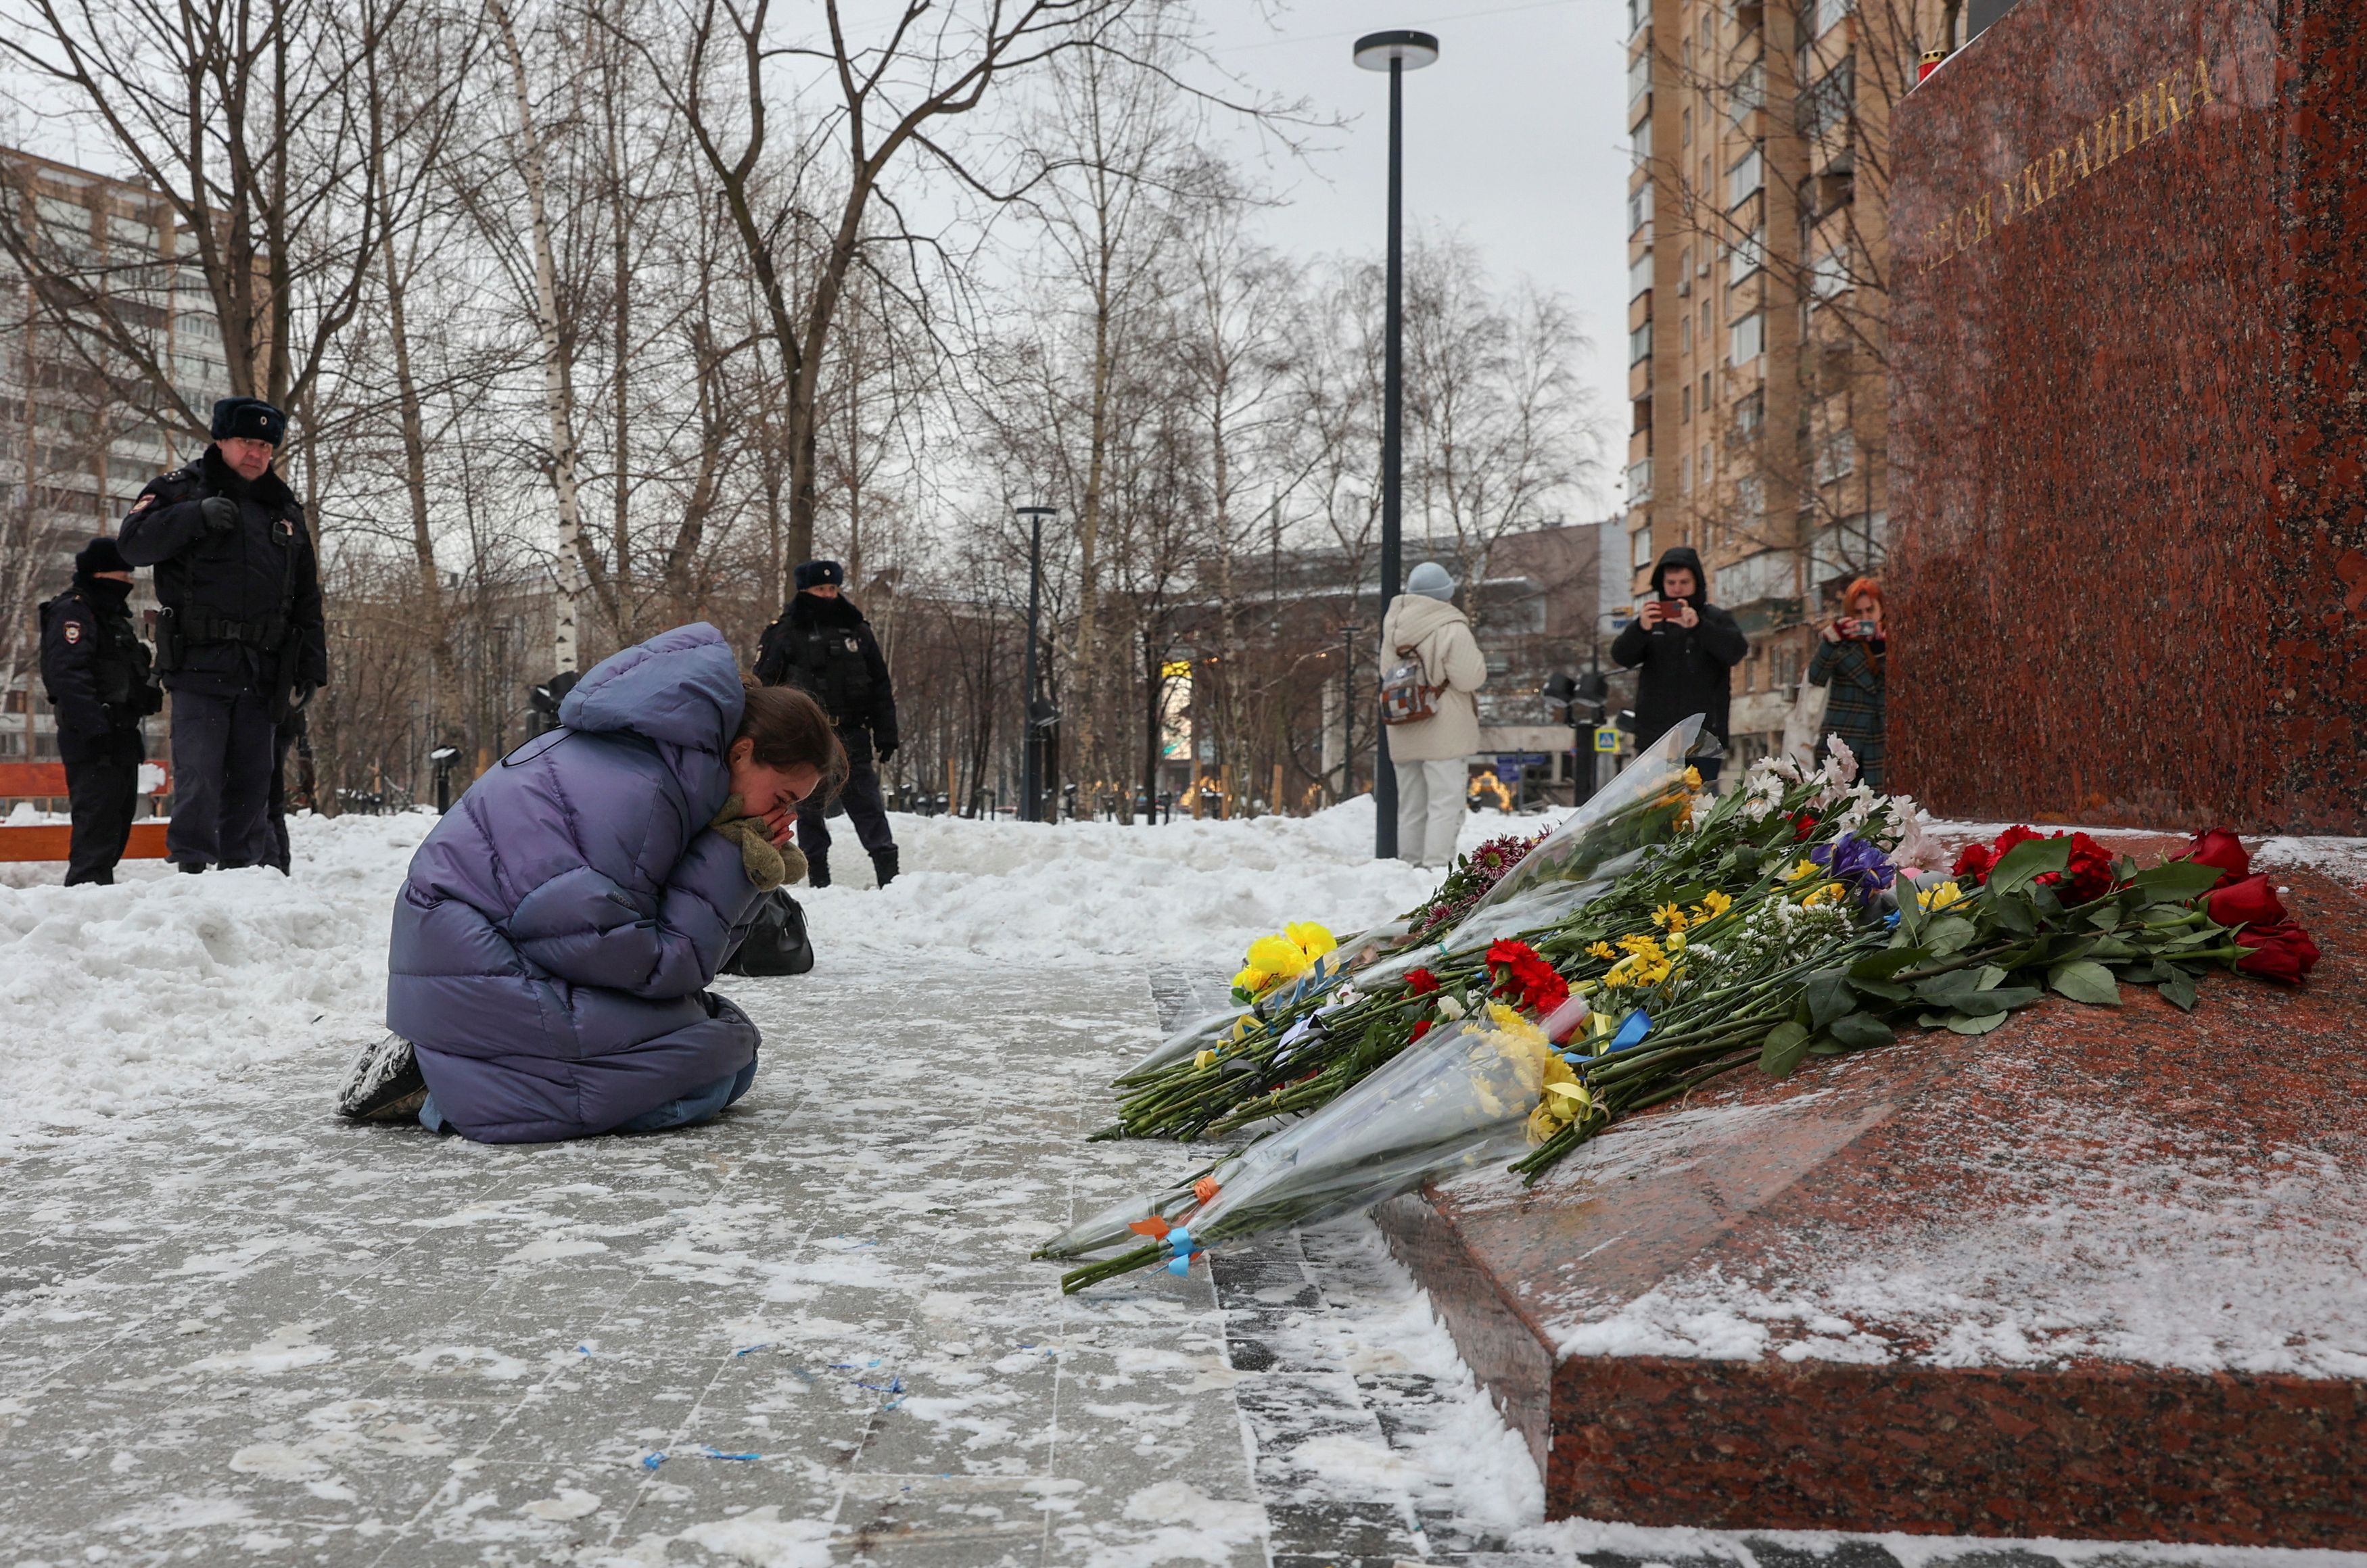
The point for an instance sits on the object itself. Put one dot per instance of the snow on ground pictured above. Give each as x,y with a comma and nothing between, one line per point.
230,1324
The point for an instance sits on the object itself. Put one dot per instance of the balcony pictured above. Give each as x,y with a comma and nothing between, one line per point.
1640,481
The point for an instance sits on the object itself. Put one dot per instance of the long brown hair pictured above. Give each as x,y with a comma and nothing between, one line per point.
790,728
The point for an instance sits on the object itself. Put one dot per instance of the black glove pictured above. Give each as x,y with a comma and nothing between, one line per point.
887,749
152,699
221,514
303,694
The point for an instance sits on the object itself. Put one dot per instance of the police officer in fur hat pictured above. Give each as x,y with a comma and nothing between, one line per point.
97,672
240,637
822,644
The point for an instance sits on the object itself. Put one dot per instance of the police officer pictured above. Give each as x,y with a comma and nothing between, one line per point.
97,672
240,638
822,644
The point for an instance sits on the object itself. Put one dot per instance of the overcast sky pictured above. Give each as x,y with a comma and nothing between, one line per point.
1514,139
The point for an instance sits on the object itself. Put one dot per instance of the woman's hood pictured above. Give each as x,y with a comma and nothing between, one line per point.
681,687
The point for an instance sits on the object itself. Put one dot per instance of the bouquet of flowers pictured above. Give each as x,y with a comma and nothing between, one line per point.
1804,915
1293,1047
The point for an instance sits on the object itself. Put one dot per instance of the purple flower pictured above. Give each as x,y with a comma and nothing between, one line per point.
1853,860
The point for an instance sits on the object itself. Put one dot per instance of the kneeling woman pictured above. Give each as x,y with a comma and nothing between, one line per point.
555,937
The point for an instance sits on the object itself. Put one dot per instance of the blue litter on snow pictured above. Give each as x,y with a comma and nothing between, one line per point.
650,1461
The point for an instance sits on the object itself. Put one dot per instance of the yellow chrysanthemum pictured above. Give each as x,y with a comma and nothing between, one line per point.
1312,938
1802,869
1830,893
1278,956
1712,904
1668,916
1692,778
1940,897
1605,951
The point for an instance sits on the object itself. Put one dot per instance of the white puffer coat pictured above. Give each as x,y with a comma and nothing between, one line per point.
1440,636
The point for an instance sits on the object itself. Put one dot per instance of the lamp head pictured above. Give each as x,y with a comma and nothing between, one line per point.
1401,46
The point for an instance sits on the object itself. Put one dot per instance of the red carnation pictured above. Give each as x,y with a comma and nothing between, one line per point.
1976,861
2223,849
1419,1030
2088,875
1803,824
2281,952
2249,902
1522,976
1420,982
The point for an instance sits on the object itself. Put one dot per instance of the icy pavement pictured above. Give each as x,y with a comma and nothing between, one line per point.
233,1329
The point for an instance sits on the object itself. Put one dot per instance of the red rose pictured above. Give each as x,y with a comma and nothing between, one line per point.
2282,951
1976,861
2223,849
1803,824
2250,902
1420,982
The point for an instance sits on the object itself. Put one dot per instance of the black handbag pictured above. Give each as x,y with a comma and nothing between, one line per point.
776,942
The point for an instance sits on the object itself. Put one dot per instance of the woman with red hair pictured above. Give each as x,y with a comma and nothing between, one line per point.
1848,664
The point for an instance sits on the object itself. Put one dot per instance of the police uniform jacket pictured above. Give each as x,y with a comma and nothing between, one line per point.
237,595
826,646
96,670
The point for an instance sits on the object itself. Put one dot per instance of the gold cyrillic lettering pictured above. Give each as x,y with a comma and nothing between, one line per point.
2079,155
2054,162
1983,233
2170,113
2203,94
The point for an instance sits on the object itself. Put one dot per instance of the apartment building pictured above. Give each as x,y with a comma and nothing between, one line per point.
80,428
1758,313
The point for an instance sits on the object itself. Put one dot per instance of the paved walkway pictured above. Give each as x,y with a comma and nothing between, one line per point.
808,1335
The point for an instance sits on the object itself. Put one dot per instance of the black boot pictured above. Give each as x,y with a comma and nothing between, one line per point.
385,1083
883,862
818,869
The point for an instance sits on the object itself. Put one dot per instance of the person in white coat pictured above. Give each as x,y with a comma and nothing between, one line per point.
1430,754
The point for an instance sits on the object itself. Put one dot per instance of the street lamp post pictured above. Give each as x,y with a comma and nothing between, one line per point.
1031,755
1396,52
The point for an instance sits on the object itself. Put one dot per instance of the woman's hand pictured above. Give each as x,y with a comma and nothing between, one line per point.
1832,631
779,822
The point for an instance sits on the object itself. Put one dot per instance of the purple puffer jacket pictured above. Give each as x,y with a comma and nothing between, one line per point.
557,928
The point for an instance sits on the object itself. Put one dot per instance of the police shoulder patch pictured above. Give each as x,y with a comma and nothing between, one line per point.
74,631
146,500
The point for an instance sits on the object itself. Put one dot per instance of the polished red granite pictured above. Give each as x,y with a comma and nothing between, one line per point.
2128,422
2097,1274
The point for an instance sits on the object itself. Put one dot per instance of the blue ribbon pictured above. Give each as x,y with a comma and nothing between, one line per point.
1179,1240
713,1452
1632,1030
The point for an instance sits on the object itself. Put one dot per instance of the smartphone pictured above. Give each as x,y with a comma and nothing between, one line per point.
1670,609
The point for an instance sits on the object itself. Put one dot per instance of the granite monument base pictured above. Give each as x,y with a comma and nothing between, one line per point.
2094,1275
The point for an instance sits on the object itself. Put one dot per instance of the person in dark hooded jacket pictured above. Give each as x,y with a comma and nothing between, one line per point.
97,672
822,645
559,927
1685,661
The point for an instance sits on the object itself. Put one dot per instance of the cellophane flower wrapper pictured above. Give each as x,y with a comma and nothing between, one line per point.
1599,843
1189,1041
1455,1100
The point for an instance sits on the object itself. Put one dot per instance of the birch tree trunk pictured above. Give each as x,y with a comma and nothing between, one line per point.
557,394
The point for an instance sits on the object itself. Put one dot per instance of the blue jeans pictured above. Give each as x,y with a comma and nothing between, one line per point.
699,1105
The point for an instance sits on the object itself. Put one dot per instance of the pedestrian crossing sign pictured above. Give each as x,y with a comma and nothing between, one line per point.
1606,737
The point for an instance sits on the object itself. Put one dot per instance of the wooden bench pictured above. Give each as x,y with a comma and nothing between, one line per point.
53,841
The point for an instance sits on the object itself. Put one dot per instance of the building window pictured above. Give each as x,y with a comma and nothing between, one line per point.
1639,274
1639,344
1750,500
1750,416
1685,474
1748,257
1744,179
1640,144
1639,547
1640,77
1827,105
1640,481
1685,130
1829,12
1685,335
1685,412
1837,456
1749,339
1748,93
1639,208
1828,276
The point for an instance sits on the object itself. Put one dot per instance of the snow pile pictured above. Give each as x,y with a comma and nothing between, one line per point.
1183,892
123,1000
162,989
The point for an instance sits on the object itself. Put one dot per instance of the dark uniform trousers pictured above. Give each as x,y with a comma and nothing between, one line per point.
103,794
866,808
223,751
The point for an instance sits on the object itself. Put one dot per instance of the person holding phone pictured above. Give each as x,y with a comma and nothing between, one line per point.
1848,664
1683,649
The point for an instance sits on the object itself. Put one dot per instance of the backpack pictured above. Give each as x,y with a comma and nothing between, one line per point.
1406,697
776,942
